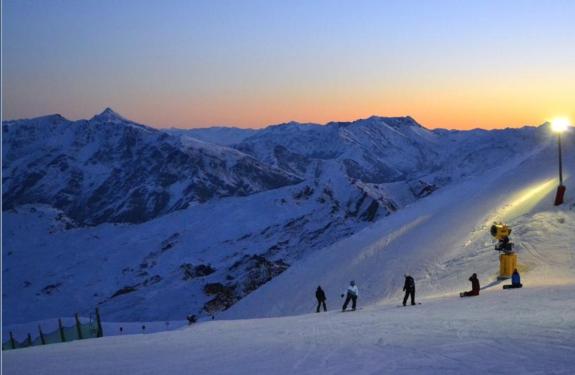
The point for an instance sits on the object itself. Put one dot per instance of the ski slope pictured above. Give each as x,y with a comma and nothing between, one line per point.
440,240
528,331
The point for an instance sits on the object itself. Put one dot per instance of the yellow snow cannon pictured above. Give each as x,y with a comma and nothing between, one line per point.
507,264
507,260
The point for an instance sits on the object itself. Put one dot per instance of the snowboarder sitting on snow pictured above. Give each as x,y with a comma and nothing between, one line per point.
515,281
409,289
320,296
352,294
474,287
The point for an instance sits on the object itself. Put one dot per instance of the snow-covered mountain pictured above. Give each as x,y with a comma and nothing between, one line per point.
180,225
109,169
373,150
220,135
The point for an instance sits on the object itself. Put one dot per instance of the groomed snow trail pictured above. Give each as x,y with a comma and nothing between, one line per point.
527,331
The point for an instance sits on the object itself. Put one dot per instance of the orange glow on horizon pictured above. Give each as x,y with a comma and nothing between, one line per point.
475,103
464,111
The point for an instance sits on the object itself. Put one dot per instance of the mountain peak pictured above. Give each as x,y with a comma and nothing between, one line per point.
401,120
109,115
108,111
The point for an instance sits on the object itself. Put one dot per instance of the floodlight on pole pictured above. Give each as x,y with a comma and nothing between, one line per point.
559,126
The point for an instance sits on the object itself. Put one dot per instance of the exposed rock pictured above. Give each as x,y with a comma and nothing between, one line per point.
124,290
191,272
259,270
224,299
50,289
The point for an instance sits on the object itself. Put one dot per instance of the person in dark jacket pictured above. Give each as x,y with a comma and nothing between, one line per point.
320,296
474,287
515,281
409,289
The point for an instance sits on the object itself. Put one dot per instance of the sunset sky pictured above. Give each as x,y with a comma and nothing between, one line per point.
455,64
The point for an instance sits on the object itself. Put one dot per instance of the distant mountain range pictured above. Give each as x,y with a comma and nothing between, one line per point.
109,169
155,224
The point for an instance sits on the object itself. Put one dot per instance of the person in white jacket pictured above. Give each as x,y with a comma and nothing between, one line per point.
352,293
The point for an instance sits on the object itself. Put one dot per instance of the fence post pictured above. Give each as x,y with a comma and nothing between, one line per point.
42,339
78,327
99,330
61,328
12,342
29,340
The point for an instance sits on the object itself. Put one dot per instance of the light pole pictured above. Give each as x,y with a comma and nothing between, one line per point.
559,126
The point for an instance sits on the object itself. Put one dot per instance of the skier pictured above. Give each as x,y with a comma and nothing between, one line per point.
409,289
352,294
474,287
320,296
515,281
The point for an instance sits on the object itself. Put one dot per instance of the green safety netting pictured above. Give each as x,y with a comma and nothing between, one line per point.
88,331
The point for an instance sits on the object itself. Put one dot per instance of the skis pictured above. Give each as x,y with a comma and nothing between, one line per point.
350,310
418,303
